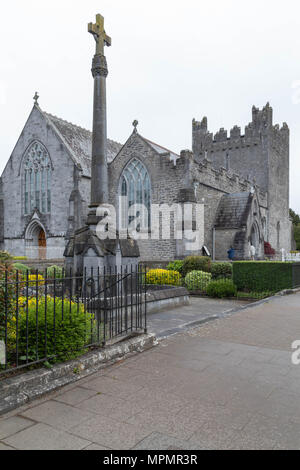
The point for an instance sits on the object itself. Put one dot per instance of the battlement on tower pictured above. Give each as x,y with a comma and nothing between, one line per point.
252,154
261,124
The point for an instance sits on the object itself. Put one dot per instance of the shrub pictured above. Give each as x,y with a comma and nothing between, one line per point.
197,280
297,235
196,263
21,268
57,270
262,276
7,302
269,251
221,270
7,293
36,280
221,288
163,277
176,265
61,334
5,257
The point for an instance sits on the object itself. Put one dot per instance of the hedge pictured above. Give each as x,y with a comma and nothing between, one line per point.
67,334
221,288
260,276
221,270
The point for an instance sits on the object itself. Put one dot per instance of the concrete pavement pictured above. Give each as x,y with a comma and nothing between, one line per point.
200,310
229,384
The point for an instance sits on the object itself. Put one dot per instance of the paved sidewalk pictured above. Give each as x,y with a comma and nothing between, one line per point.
201,310
229,384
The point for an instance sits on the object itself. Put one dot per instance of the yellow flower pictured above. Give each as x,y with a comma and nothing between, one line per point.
163,277
36,279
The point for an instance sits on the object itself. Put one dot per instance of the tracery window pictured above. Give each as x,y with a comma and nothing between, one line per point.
135,188
37,179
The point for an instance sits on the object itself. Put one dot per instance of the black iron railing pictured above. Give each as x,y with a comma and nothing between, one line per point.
48,318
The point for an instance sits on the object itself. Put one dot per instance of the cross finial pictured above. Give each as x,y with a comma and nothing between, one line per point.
100,36
36,98
135,124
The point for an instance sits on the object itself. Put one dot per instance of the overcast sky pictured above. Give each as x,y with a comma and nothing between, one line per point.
171,61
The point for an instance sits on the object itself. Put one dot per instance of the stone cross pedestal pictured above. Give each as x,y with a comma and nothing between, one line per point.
85,250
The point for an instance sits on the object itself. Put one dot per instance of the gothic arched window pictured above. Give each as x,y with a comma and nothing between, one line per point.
135,188
37,179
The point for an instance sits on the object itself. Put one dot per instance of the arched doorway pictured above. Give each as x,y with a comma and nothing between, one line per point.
36,241
42,244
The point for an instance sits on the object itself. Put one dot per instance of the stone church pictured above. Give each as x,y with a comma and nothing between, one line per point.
242,180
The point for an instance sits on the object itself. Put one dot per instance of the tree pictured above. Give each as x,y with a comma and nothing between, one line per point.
295,217
296,224
297,235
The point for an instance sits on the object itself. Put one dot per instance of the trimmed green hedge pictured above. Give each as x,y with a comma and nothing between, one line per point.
260,276
221,270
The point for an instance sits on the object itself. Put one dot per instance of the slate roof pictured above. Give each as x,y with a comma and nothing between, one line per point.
233,210
79,142
162,150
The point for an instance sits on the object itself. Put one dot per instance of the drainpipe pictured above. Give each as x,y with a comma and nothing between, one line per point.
214,245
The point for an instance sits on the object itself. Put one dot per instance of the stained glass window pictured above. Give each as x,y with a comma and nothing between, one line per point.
37,179
135,188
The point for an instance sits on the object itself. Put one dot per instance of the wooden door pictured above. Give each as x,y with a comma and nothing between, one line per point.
42,244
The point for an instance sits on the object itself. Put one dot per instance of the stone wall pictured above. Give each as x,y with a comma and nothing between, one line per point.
202,180
261,156
15,222
211,184
219,165
166,181
224,239
279,234
246,155
1,216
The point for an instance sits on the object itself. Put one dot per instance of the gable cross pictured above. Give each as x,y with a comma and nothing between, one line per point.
100,36
36,98
135,124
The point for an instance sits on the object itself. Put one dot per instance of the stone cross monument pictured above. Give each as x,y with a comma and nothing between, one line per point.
84,250
99,173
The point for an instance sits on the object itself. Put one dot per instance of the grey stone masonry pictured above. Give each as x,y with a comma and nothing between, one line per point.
1,215
261,156
256,162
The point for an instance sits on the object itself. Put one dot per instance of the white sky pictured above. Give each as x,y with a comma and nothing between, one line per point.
170,61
